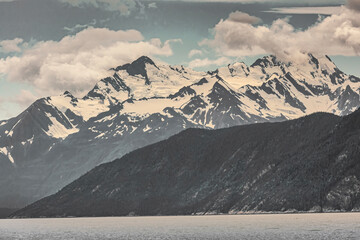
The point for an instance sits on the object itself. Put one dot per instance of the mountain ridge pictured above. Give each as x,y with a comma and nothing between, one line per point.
59,138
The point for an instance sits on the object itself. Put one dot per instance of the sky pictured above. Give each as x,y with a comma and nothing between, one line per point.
50,46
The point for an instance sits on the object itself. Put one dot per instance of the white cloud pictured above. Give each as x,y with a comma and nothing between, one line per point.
194,52
334,35
242,17
76,63
197,63
123,6
8,46
308,10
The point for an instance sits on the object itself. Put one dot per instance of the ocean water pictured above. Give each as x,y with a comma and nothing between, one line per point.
274,226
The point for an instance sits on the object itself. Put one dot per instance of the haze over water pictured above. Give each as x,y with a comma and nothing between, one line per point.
278,226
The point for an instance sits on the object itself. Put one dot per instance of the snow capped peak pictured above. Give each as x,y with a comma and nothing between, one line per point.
326,63
321,62
138,67
140,62
143,60
267,61
316,62
67,94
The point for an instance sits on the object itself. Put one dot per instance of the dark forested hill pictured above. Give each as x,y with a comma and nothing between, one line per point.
308,164
5,212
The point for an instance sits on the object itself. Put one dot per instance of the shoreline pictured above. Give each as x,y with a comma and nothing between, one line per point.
192,215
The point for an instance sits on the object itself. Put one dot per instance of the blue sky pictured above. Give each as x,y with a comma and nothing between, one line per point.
49,46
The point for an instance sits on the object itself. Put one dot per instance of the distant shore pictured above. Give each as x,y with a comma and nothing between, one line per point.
250,213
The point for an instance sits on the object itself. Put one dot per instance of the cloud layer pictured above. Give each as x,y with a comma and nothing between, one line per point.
308,10
77,62
199,63
338,34
123,6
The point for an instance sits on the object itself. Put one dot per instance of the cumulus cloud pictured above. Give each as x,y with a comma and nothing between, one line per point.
197,63
194,52
8,46
337,34
123,6
353,4
242,17
76,63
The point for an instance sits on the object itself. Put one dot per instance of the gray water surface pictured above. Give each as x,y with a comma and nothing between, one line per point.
274,226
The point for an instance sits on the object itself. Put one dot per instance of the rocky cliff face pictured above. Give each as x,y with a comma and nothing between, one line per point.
59,138
308,164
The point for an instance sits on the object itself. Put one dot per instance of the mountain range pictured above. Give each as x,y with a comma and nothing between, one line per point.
59,138
308,164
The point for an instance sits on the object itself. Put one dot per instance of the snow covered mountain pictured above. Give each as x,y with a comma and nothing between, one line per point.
59,138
